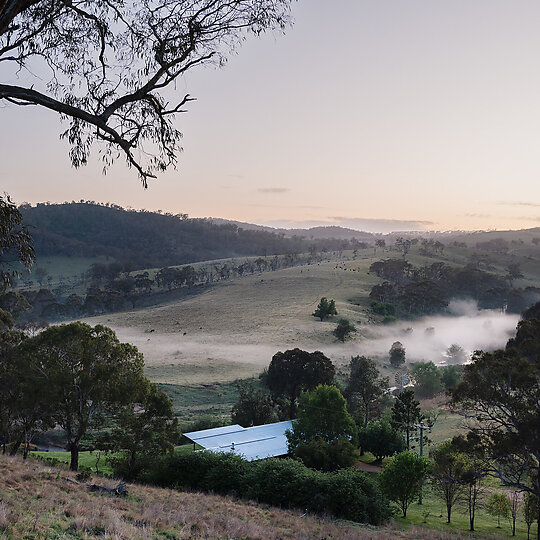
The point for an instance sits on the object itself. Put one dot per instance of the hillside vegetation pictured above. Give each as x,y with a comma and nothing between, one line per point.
40,502
148,239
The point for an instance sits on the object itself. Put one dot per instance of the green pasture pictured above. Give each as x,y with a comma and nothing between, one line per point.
432,514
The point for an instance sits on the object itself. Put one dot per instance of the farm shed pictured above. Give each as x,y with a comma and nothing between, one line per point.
257,442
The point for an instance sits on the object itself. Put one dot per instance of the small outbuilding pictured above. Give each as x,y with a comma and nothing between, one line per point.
253,443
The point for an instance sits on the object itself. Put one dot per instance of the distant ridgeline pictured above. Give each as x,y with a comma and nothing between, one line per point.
151,239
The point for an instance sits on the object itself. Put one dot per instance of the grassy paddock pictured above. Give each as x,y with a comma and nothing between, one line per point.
196,400
88,459
485,525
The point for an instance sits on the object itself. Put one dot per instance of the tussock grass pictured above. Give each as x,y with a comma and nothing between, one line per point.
38,502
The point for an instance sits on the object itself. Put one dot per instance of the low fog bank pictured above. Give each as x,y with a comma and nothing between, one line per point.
200,357
430,337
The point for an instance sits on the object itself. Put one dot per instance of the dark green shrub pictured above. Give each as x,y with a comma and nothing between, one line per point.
383,308
280,482
287,483
324,456
354,495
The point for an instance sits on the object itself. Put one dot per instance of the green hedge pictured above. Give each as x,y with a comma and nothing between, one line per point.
347,493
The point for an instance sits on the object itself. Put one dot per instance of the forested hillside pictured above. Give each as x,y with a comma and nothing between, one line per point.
150,239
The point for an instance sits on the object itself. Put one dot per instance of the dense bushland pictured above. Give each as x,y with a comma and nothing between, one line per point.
348,493
152,239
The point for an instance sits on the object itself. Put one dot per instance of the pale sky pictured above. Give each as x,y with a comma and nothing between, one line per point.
426,112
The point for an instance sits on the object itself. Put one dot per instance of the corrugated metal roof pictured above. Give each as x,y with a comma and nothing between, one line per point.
195,436
257,442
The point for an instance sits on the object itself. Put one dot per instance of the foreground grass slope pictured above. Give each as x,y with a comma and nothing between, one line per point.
39,502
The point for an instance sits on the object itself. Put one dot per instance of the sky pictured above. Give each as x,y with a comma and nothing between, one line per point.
373,114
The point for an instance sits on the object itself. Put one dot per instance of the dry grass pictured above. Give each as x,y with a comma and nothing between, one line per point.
38,502
232,330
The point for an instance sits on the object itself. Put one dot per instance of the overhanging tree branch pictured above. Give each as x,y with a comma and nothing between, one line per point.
110,61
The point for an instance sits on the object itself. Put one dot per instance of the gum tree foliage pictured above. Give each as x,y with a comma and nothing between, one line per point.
380,438
498,506
294,371
84,371
32,410
401,480
475,471
106,66
146,427
427,379
365,387
16,247
406,414
397,354
447,475
529,510
254,406
500,396
9,382
324,435
451,375
326,308
344,329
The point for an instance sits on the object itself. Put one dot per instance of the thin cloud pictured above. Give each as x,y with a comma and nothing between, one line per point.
483,216
288,207
273,190
519,203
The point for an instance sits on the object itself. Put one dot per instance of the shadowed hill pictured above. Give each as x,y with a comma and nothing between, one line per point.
150,239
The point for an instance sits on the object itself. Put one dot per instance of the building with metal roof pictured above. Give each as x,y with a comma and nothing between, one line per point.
253,443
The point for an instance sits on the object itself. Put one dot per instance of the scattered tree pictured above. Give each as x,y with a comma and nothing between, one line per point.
497,505
294,371
447,475
84,371
146,427
406,414
344,329
514,501
365,386
326,308
499,395
530,510
397,354
254,407
473,473
380,439
456,355
427,379
401,480
324,435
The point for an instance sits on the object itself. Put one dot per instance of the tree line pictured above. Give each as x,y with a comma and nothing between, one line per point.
114,286
147,239
408,291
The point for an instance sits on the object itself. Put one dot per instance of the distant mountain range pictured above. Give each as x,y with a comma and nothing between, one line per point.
313,233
